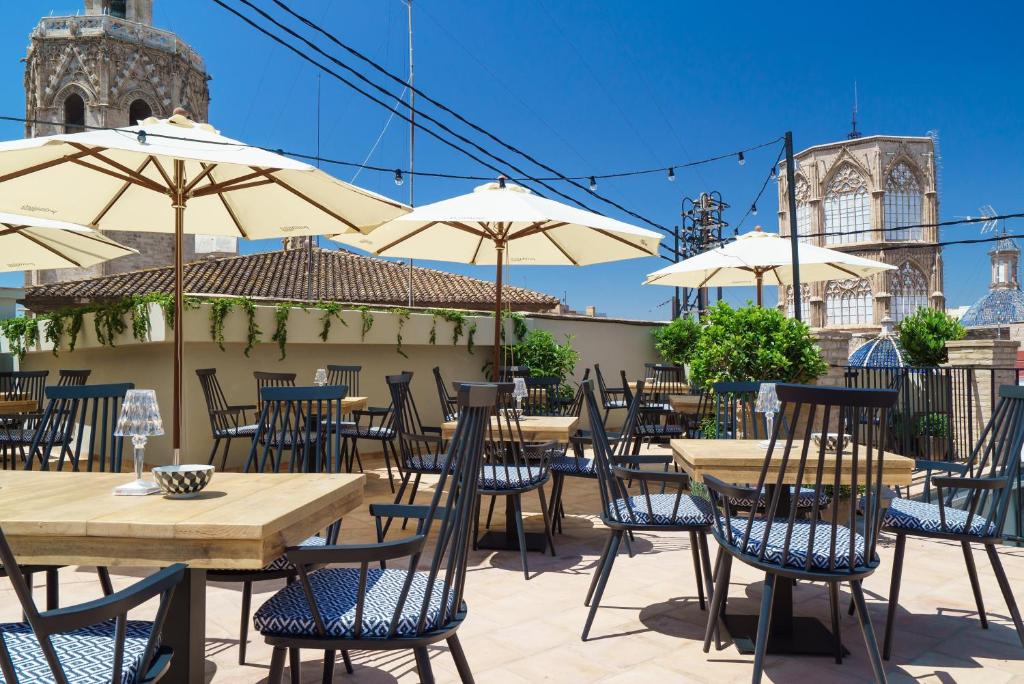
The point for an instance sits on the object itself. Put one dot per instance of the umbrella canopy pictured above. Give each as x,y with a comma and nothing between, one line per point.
31,243
758,257
505,222
144,177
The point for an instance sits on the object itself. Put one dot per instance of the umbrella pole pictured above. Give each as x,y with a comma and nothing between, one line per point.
179,323
496,372
760,279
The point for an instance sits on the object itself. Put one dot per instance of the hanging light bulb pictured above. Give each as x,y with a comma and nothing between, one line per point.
501,182
671,175
753,208
593,184
774,174
141,137
740,159
398,177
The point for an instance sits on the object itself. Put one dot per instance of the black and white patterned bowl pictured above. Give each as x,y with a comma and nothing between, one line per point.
832,440
183,481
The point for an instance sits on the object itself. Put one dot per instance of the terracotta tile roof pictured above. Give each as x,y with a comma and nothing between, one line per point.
339,275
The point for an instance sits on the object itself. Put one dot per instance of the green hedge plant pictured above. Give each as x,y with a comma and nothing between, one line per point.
677,341
924,333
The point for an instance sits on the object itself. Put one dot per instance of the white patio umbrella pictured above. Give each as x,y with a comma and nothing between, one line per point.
758,257
28,243
505,222
145,177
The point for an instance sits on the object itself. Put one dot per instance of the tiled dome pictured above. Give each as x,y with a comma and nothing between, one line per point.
881,352
998,307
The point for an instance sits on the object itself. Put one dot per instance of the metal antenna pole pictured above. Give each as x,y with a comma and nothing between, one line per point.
794,239
675,257
309,240
412,135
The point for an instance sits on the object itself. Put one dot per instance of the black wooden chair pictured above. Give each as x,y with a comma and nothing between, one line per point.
971,508
449,402
227,421
270,379
68,376
420,448
345,375
292,435
623,512
509,373
374,424
398,607
90,642
24,384
814,549
16,430
612,398
657,422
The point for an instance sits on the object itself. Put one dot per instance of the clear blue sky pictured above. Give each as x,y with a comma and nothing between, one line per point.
597,87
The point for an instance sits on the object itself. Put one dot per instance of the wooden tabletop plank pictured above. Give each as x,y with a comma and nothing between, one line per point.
349,404
740,461
671,386
534,428
684,403
8,406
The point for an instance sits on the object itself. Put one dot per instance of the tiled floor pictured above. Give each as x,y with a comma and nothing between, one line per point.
649,627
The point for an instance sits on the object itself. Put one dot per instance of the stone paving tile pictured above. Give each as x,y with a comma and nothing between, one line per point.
649,628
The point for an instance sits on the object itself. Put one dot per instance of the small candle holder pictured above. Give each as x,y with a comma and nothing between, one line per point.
519,393
139,419
768,404
320,377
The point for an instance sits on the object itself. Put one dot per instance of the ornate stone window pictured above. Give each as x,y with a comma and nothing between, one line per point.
902,204
909,291
138,110
847,208
803,209
848,302
74,113
118,8
805,301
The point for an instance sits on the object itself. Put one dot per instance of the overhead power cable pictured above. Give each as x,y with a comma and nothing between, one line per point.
938,224
772,174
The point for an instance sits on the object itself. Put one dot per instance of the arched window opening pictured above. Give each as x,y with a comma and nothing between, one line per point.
909,291
74,113
138,111
803,210
902,205
848,302
805,301
847,208
118,8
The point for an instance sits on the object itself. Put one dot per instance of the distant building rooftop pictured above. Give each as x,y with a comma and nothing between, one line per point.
997,307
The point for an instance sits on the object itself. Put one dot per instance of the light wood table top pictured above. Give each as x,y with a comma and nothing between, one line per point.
8,406
741,460
240,521
349,404
685,403
680,387
534,428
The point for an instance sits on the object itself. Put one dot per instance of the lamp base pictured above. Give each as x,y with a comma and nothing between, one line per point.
764,443
137,488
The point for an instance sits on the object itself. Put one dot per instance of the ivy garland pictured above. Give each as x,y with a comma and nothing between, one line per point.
219,309
252,332
403,316
331,311
281,313
366,321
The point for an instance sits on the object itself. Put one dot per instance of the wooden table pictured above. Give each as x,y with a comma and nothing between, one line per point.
685,403
679,387
535,428
350,404
17,402
241,521
740,461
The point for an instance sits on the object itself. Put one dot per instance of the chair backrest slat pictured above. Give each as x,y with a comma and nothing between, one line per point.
297,422
607,453
345,375
449,402
71,413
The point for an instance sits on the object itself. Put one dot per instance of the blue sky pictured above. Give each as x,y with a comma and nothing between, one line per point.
597,87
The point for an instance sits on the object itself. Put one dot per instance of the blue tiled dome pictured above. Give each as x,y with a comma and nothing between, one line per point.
998,307
881,352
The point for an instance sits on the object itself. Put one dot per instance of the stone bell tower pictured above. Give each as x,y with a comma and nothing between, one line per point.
109,68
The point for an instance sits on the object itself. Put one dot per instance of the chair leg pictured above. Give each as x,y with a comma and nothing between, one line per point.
490,512
547,520
293,666
833,609
412,496
598,567
243,632
224,458
403,483
763,623
606,570
1004,586
459,656
347,660
894,594
52,589
423,665
695,551
328,667
105,584
387,462
277,665
517,508
869,632
972,573
213,451
718,598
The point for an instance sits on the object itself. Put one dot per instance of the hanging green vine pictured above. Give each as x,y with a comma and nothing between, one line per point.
456,318
53,331
252,330
366,321
403,316
331,311
219,309
469,337
77,317
281,313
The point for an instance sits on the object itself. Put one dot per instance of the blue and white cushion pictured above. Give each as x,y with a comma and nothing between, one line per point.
572,465
649,430
616,404
804,500
16,435
918,516
800,544
281,563
239,431
692,510
336,591
496,477
367,432
86,654
427,462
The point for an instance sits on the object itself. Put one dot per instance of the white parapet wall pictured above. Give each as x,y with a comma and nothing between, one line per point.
616,345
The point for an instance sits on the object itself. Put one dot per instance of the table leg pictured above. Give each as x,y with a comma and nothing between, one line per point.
185,629
507,540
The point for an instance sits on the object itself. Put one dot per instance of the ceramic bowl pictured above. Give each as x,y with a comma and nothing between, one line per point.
183,481
833,440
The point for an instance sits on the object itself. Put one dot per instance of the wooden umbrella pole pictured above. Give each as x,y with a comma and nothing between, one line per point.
499,247
179,323
760,278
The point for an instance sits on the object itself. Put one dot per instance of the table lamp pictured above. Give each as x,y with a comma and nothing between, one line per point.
768,404
139,419
519,392
320,377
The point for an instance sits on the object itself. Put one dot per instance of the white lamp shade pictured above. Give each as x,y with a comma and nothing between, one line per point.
140,415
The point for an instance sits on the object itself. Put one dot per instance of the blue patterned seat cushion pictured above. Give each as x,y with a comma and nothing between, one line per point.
427,462
16,435
615,404
337,591
281,563
238,431
800,544
692,510
648,430
918,516
804,500
513,477
573,465
366,432
86,654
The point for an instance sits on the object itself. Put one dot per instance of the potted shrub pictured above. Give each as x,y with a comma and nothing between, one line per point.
924,333
932,431
546,357
676,341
